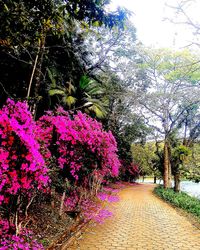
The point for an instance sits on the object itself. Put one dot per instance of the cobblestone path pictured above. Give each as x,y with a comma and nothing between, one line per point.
141,221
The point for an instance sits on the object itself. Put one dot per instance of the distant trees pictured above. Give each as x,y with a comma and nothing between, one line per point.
146,158
173,92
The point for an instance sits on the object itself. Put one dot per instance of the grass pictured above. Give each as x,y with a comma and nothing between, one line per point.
180,200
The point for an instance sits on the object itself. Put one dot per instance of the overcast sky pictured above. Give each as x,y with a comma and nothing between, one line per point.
151,29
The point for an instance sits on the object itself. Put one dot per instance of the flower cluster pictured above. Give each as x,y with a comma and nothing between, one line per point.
22,167
82,146
83,152
108,197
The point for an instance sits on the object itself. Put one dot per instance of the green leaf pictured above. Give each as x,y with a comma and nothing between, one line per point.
69,100
96,24
50,75
6,7
53,92
84,81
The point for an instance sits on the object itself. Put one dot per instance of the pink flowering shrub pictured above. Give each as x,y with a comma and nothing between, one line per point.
71,150
80,145
22,167
22,173
129,171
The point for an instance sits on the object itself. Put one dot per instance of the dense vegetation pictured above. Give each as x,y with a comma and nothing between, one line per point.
64,156
80,103
181,200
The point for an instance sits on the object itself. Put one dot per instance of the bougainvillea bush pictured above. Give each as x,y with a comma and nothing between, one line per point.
70,151
80,145
129,172
22,168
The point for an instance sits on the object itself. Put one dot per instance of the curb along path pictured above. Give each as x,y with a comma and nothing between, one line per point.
140,221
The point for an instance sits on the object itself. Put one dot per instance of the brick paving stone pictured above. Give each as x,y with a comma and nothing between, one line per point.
141,221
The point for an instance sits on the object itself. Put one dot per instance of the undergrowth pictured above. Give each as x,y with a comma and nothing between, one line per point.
181,200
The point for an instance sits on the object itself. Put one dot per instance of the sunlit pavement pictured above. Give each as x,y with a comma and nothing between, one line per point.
141,221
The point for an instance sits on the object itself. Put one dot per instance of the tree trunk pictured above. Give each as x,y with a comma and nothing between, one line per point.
37,74
169,173
177,182
154,179
166,165
38,77
169,167
143,178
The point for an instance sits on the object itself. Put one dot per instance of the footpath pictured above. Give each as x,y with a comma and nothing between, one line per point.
141,221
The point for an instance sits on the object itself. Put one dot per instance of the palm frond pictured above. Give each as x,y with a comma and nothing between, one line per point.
69,100
53,92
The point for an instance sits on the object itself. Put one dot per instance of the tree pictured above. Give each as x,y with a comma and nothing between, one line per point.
88,96
174,89
146,158
36,36
193,163
179,155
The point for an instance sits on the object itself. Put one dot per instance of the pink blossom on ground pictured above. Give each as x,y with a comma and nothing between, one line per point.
108,197
23,241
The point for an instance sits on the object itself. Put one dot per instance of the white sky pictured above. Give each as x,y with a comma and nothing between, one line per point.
151,29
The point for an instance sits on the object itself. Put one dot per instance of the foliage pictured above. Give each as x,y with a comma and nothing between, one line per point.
146,158
88,96
192,165
83,152
181,200
48,36
179,155
93,12
129,171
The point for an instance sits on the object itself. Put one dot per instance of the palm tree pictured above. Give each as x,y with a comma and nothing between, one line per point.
88,96
93,97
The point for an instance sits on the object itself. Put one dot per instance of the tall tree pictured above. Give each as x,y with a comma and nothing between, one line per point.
36,36
174,89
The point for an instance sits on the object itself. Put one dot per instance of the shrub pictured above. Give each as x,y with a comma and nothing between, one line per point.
22,173
80,145
82,152
181,200
22,167
129,171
